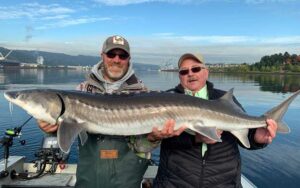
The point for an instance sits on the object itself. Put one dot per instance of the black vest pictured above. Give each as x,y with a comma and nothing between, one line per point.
182,165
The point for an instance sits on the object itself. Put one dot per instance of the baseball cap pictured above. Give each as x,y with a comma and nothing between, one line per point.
196,56
114,42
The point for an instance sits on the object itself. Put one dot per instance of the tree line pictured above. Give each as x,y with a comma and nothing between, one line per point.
283,63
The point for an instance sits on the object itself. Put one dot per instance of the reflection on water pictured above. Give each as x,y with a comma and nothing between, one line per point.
9,78
275,166
39,76
279,83
156,80
276,83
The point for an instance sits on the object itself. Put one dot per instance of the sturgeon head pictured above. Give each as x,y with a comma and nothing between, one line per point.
41,104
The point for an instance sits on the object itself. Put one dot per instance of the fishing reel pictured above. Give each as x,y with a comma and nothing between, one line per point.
11,133
51,154
48,154
49,157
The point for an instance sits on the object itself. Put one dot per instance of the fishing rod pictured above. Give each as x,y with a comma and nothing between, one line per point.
17,130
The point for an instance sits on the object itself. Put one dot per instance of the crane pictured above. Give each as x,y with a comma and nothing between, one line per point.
4,57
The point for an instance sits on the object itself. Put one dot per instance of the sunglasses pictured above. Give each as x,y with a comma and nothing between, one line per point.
122,56
183,72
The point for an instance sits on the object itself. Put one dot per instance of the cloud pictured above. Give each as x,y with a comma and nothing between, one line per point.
163,34
32,11
52,9
281,40
121,2
71,22
219,39
128,2
155,50
268,1
56,17
216,49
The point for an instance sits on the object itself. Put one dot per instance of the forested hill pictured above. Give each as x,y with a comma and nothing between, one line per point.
54,59
50,58
282,63
278,62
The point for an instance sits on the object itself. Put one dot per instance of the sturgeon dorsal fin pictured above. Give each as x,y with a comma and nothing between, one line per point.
228,96
228,101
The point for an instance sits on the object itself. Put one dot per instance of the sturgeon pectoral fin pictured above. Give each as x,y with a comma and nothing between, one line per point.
83,137
67,133
283,127
209,132
242,135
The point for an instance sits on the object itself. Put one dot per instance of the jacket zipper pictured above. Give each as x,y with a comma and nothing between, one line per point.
203,165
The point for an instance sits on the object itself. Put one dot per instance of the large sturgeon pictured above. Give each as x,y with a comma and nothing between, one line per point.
138,113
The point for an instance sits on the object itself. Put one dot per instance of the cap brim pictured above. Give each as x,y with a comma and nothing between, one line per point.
116,47
187,56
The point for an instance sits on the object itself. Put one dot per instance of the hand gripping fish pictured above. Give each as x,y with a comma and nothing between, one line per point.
135,114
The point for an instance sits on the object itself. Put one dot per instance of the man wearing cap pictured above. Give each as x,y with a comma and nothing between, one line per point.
193,160
104,160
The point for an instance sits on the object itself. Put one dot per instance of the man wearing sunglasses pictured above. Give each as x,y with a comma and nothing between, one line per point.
104,160
194,160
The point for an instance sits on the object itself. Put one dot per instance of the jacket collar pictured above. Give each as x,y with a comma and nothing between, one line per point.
210,86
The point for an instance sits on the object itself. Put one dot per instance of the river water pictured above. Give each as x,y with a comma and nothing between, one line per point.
274,166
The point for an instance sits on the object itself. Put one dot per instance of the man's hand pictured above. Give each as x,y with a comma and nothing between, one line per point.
266,135
47,127
206,140
167,131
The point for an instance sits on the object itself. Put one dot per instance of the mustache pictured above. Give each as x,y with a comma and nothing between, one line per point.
192,79
117,64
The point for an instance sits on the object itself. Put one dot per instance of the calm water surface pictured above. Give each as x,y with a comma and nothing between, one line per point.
275,166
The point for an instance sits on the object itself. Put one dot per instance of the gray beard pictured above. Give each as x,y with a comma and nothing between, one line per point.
114,76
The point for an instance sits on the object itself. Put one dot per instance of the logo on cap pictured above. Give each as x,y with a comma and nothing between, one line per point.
118,40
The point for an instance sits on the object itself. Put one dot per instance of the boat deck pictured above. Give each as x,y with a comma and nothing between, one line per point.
63,177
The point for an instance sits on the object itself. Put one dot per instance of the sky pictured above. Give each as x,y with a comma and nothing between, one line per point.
224,31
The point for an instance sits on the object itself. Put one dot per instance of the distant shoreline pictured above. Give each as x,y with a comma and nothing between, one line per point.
44,67
256,72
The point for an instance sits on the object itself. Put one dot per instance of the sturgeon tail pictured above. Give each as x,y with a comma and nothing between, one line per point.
278,112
